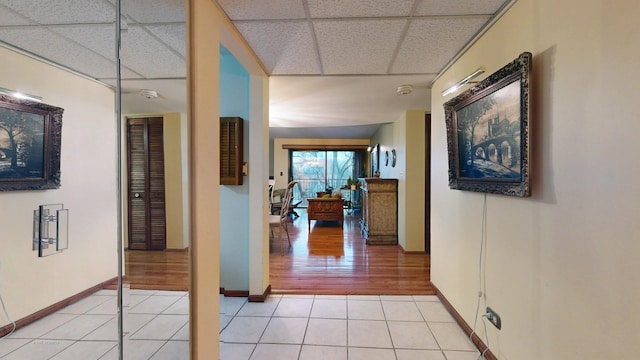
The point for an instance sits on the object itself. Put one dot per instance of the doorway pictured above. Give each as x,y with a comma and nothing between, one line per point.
146,184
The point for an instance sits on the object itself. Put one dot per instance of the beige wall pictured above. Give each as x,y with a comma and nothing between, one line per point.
561,267
207,28
88,166
173,170
407,136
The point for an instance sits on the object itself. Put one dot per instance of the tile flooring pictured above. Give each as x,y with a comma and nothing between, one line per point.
156,325
284,327
309,327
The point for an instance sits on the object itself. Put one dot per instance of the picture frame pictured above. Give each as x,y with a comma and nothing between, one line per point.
30,144
488,133
375,160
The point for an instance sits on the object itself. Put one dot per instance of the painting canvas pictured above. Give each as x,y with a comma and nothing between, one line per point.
488,133
30,134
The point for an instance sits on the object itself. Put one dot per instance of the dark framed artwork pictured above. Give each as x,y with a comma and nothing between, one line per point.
30,141
488,133
375,159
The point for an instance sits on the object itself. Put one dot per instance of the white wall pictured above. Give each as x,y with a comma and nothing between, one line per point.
562,266
88,177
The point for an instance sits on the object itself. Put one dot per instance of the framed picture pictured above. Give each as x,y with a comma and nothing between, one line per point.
375,160
30,141
488,133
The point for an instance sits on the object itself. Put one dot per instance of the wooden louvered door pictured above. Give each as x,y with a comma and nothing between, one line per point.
147,221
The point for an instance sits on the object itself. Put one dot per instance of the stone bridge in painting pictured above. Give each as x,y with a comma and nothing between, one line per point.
503,150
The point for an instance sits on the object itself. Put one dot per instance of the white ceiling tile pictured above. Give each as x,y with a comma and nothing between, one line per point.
262,10
174,35
151,11
99,38
283,47
57,49
362,8
431,42
63,11
357,46
143,54
9,17
458,7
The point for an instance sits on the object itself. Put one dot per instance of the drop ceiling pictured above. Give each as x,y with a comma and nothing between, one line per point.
334,64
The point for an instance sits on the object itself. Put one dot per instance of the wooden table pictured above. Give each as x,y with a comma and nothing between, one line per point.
330,209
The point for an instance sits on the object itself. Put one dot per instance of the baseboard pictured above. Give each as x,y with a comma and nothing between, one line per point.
178,250
410,252
55,307
234,293
261,298
463,324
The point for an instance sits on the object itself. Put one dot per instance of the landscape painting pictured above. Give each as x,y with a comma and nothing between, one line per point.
488,133
30,135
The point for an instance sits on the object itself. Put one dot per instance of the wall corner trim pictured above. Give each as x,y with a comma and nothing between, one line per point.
463,324
261,298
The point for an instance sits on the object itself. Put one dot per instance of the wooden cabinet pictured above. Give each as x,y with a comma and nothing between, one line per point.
379,222
231,161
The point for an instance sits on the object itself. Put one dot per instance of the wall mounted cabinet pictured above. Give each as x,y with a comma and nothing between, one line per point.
231,136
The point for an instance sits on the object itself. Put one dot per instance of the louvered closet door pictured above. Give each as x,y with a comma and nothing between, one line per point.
147,221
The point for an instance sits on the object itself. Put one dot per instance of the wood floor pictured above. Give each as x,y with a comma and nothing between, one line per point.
334,260
326,260
157,270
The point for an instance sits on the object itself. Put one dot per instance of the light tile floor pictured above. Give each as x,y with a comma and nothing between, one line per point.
309,327
302,327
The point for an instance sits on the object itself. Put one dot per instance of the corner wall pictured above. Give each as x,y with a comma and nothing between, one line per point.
88,167
407,136
561,266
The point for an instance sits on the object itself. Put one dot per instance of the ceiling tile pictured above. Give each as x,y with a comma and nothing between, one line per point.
142,53
262,10
362,8
151,11
174,35
60,50
431,42
458,7
357,46
99,38
63,11
9,17
283,47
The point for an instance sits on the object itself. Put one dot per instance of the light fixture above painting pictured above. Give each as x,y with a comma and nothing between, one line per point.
464,81
20,95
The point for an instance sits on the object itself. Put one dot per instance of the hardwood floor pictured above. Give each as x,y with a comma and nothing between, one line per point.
333,260
326,260
157,270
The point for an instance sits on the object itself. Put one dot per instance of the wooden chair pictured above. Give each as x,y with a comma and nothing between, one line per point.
282,219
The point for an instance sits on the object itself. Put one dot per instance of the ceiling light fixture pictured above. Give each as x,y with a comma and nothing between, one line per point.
464,81
19,95
149,94
404,90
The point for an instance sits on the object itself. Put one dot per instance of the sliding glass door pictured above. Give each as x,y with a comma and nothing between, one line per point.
320,170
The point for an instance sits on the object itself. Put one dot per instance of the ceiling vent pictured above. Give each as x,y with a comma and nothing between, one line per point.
149,94
404,89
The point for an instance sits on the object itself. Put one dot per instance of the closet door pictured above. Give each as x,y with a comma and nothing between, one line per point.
145,155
